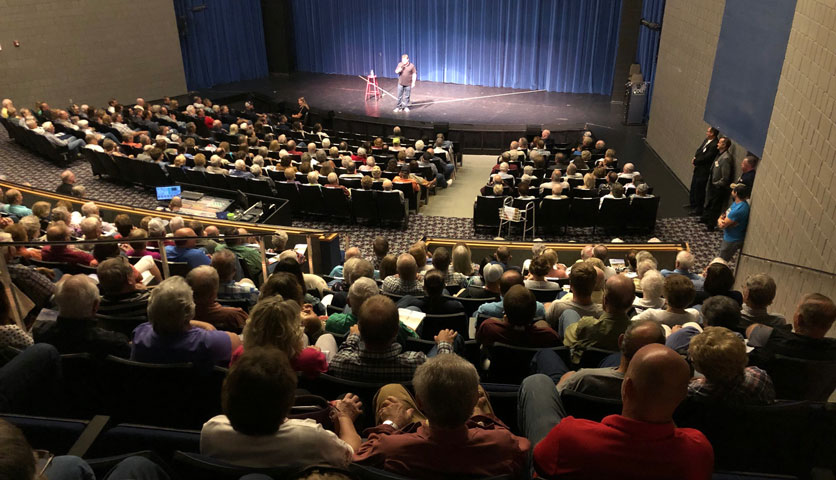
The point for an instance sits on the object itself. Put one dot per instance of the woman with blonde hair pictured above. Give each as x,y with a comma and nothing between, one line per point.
462,262
274,322
304,108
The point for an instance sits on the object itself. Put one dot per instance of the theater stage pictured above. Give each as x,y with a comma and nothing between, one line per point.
436,102
469,107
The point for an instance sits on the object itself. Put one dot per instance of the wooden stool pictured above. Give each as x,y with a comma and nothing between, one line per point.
372,90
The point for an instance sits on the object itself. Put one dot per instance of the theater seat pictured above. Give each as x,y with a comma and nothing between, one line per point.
581,405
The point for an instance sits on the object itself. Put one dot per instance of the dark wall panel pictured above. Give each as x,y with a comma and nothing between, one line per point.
747,67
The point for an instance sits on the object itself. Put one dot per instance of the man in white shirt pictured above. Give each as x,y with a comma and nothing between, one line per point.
255,431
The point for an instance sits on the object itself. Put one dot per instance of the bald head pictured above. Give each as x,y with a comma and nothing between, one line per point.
620,293
184,232
352,252
639,334
508,279
587,252
655,383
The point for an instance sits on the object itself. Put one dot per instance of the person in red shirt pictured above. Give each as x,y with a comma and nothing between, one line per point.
641,443
59,232
517,327
454,434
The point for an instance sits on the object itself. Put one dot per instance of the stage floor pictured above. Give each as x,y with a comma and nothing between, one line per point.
475,105
436,102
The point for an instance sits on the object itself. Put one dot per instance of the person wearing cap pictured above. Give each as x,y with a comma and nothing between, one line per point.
733,223
491,273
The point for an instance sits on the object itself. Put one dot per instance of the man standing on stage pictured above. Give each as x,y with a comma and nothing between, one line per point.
406,82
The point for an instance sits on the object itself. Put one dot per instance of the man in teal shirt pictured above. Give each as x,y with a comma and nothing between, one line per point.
734,222
14,199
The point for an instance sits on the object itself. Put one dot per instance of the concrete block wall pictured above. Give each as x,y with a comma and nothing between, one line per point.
89,51
690,33
793,216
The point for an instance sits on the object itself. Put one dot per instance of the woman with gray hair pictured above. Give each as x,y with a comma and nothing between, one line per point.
652,284
171,334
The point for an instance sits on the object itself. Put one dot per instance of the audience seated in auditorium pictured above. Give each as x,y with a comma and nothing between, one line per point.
138,245
370,352
441,261
171,334
122,295
406,282
350,253
719,280
497,309
34,282
683,266
539,268
14,204
679,292
185,250
580,333
204,282
450,421
59,232
758,293
225,262
361,290
720,355
517,327
255,430
604,381
582,280
652,284
434,302
67,181
274,323
250,255
717,311
813,317
642,442
75,330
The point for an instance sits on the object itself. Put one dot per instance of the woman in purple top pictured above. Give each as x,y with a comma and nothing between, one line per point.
172,336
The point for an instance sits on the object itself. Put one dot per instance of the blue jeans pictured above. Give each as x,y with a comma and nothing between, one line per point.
448,170
549,363
136,468
403,96
728,249
538,407
567,318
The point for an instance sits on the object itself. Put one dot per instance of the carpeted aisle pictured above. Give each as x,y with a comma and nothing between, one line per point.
451,209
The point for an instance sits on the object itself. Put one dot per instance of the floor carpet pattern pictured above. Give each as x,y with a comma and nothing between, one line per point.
20,165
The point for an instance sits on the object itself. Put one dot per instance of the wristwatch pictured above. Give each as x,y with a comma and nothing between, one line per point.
390,423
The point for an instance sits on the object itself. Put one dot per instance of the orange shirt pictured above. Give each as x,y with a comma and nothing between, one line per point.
415,185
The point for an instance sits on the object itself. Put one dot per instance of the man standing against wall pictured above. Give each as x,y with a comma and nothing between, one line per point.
703,157
719,184
406,82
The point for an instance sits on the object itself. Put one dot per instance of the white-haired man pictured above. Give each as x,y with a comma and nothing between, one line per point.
75,330
172,336
684,264
67,181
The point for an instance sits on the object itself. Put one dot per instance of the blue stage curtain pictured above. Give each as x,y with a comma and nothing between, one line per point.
222,43
652,11
555,45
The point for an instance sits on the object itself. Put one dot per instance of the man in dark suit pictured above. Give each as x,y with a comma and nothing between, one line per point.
703,157
718,188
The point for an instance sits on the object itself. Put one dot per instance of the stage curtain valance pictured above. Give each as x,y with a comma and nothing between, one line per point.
221,41
555,45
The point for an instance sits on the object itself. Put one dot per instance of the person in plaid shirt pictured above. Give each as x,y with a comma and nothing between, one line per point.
441,261
406,282
224,262
720,355
371,354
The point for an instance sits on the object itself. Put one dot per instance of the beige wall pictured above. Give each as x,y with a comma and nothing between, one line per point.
683,74
793,216
89,51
